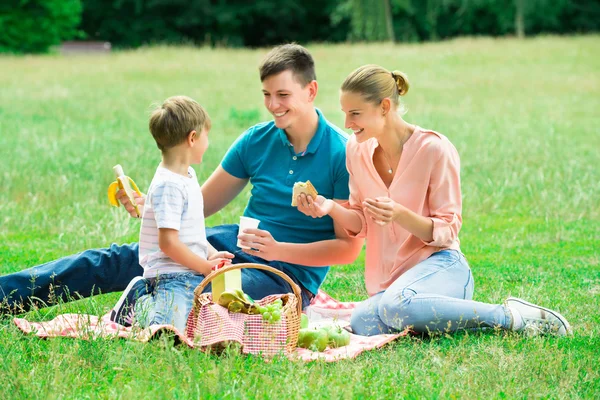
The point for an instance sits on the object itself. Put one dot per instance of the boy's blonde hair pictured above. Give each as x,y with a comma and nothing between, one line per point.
171,123
376,83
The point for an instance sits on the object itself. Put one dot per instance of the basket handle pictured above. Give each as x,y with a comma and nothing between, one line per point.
295,288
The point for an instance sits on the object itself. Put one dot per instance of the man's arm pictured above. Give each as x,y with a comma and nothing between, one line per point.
219,189
341,250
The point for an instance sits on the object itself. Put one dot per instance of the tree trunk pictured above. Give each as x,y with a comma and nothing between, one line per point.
389,20
519,19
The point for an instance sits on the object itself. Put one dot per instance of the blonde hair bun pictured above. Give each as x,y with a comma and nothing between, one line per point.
401,82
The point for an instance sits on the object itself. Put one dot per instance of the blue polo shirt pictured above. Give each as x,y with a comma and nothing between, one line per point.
264,155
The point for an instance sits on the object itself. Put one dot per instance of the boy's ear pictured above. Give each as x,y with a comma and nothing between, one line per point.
192,137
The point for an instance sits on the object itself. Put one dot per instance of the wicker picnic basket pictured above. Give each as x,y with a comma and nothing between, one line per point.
211,326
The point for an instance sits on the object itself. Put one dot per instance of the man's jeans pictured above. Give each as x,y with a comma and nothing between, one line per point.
433,296
110,270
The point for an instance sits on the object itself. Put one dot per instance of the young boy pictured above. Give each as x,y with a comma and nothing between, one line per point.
174,251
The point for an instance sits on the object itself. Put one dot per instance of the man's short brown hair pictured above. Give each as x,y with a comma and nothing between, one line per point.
291,57
171,123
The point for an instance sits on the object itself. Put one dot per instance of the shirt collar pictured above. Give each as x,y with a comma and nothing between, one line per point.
316,139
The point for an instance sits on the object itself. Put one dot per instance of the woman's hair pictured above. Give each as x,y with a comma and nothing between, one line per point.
376,83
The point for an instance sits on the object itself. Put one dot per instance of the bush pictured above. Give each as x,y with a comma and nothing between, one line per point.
33,26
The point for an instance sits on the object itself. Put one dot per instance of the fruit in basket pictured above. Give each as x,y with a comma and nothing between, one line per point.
313,339
303,321
338,337
237,301
235,306
271,312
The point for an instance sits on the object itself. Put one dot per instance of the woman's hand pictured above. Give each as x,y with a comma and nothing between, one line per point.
261,244
314,208
382,210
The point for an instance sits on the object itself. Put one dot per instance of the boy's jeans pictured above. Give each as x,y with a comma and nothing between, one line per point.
110,270
435,295
169,301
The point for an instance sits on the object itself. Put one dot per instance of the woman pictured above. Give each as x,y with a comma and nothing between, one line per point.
405,198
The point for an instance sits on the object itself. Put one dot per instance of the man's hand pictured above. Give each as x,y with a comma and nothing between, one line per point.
314,208
382,210
261,244
140,200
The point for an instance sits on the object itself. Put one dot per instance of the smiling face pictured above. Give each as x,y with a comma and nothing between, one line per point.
364,118
287,100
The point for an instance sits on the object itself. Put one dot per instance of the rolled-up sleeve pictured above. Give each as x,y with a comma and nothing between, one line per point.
445,200
355,203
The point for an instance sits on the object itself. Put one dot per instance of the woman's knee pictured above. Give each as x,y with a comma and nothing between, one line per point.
394,307
365,319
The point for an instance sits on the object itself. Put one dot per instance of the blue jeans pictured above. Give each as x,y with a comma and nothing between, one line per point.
169,301
110,270
433,296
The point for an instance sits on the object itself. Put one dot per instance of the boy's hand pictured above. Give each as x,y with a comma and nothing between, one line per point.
316,208
221,254
217,263
140,200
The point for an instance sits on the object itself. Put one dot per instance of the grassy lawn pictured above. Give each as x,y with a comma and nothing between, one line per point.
523,114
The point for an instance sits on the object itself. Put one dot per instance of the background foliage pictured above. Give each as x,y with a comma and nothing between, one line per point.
34,25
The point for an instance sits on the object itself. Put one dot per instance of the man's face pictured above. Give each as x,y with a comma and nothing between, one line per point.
287,100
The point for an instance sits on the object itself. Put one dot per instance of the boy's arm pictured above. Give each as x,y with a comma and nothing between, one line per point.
176,250
219,189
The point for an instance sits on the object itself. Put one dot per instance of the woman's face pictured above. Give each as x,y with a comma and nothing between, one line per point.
365,119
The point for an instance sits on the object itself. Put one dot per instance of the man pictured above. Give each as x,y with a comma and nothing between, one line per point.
299,144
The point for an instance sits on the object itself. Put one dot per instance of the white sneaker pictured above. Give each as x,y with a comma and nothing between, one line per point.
534,320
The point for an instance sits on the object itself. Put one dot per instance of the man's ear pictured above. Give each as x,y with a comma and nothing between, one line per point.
313,88
192,137
386,105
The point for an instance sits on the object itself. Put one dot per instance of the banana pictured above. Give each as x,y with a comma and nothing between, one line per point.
237,301
226,298
123,182
235,307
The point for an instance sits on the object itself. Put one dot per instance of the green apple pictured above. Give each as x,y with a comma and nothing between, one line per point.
338,337
303,321
313,339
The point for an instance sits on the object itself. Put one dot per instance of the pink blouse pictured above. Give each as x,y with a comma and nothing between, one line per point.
427,181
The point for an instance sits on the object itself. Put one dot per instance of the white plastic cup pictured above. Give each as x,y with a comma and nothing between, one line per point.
246,223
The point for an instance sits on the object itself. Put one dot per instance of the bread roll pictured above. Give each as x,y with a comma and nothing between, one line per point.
303,187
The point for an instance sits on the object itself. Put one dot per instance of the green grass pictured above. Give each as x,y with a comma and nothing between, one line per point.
523,115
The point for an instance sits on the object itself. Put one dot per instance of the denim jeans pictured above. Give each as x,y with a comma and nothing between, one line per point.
110,270
169,301
433,296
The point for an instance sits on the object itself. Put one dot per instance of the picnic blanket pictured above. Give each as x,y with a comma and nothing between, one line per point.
323,309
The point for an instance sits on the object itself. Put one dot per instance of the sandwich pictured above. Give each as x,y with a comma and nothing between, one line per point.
303,187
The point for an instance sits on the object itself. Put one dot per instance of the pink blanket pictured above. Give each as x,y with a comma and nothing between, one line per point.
323,308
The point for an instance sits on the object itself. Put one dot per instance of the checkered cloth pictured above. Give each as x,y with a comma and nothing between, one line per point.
215,326
322,308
